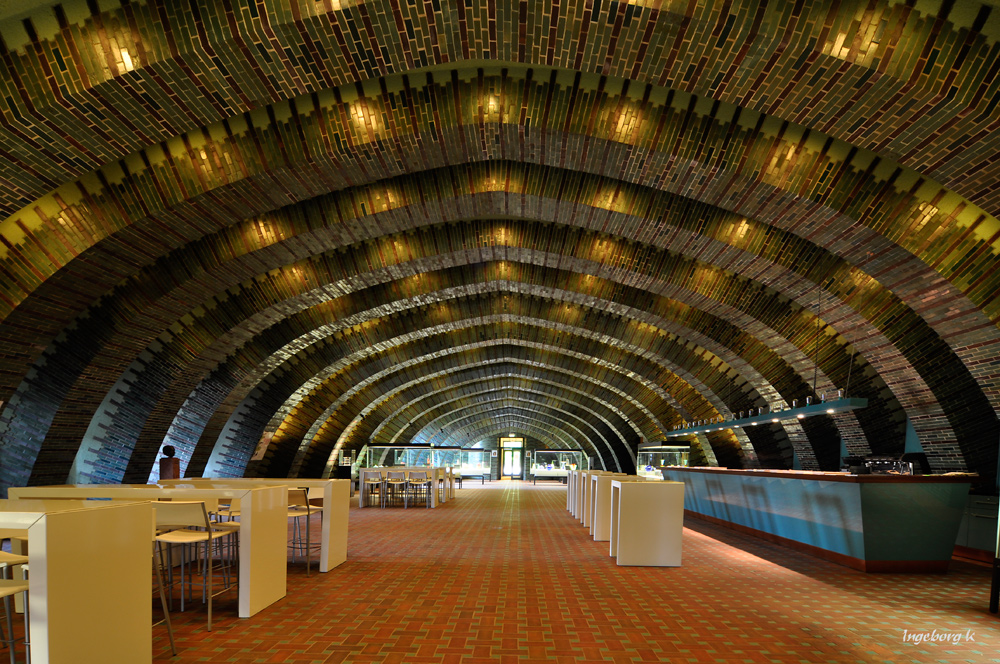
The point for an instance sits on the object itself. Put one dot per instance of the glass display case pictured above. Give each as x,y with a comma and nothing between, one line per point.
877,465
556,464
650,459
475,463
377,456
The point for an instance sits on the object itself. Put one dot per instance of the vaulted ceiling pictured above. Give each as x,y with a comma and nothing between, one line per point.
324,223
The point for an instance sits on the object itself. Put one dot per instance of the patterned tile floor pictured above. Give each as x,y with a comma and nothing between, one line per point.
505,574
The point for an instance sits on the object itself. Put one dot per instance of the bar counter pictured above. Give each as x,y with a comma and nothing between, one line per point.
873,523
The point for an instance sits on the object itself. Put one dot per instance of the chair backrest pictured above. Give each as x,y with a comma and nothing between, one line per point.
373,476
395,475
181,514
418,475
298,498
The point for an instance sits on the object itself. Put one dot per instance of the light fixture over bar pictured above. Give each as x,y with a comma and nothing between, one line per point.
762,417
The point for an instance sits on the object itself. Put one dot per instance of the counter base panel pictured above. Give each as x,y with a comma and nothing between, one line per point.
974,554
872,566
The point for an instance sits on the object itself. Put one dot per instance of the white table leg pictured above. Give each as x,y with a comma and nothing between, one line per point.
333,550
263,555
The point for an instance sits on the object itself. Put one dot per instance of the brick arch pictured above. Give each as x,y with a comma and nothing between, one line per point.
424,373
902,213
914,229
462,422
183,75
760,386
440,397
537,360
409,365
934,429
597,435
901,216
664,358
595,407
743,322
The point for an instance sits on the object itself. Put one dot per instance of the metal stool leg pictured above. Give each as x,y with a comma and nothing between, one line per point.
163,597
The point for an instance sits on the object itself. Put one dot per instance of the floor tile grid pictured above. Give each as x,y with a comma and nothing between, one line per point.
504,573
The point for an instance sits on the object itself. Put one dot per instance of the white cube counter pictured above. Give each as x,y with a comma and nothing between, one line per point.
647,523
600,522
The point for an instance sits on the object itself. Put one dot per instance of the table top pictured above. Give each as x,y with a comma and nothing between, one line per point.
136,491
23,513
225,482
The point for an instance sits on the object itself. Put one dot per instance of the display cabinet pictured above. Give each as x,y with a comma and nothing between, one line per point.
377,456
556,464
652,458
475,463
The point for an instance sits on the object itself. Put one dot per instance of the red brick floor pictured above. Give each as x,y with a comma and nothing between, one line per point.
505,574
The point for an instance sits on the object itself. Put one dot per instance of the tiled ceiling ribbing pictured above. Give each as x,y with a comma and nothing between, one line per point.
683,359
453,423
757,161
462,422
884,77
195,336
530,388
385,416
787,177
400,365
388,248
434,403
775,243
484,317
419,382
405,388
770,244
931,224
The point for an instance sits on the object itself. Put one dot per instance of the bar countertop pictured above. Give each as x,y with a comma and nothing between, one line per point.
829,476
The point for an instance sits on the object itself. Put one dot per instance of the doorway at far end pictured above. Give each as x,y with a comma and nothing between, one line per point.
512,453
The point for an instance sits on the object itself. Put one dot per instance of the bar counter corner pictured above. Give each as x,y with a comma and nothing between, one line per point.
873,523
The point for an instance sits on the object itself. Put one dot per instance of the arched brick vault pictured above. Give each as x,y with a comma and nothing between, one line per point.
380,392
121,269
426,417
491,356
503,359
472,417
583,428
396,403
516,320
885,77
346,319
494,232
393,424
